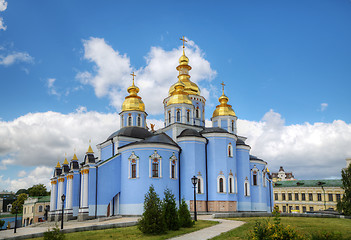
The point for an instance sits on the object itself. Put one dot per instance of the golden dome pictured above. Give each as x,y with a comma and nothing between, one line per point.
223,109
179,96
184,77
74,157
133,102
90,150
58,165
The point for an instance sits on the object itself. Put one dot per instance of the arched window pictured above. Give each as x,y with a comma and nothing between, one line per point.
129,121
231,184
122,120
133,171
178,116
254,179
246,187
230,150
139,121
169,117
188,116
233,125
254,173
155,165
200,185
197,113
40,208
221,186
173,167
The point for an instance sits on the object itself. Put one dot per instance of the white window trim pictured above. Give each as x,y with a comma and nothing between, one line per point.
224,184
133,156
131,121
173,157
248,188
258,175
231,150
201,185
231,179
159,158
139,121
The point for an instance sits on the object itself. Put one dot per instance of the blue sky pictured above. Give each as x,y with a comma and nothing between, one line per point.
286,65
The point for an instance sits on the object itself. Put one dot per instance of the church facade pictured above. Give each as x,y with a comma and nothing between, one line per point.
115,180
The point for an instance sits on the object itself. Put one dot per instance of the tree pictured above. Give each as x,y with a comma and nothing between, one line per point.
2,223
152,221
19,203
38,190
184,215
170,210
21,191
344,205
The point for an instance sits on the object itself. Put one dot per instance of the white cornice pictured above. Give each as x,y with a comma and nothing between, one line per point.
227,135
245,147
148,145
191,138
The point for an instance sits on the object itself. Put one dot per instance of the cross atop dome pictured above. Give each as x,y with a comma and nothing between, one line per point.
133,76
184,41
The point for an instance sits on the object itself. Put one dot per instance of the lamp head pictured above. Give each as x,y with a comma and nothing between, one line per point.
194,180
63,197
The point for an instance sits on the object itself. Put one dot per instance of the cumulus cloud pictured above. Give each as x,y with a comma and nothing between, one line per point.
51,87
3,6
111,74
5,162
15,57
309,150
323,106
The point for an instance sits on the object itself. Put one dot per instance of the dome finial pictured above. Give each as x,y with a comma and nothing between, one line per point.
90,150
222,87
184,41
65,162
133,77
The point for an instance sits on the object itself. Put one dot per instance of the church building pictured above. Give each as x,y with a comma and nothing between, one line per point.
114,180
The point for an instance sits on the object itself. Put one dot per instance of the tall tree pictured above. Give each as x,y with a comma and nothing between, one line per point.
152,220
19,203
344,205
38,190
184,215
170,210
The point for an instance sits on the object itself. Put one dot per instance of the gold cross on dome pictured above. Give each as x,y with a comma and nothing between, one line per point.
183,39
133,76
223,86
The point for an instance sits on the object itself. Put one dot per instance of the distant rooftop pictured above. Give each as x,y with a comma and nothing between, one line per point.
309,183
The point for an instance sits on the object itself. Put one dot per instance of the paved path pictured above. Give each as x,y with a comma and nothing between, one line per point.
75,226
210,232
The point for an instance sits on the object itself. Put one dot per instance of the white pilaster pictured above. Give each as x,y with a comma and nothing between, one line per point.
53,195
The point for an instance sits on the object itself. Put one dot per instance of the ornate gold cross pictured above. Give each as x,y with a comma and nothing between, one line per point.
222,86
183,39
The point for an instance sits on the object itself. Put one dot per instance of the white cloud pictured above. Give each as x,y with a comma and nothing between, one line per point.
111,75
309,150
323,106
2,24
3,5
21,173
15,57
5,162
51,87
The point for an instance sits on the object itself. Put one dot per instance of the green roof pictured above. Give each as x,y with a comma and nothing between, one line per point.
309,183
44,199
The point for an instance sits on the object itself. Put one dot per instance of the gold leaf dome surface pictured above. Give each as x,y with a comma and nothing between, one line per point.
223,109
133,102
179,96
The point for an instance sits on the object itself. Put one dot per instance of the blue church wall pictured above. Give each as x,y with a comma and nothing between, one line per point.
169,133
109,183
219,162
134,115
106,152
214,123
258,197
192,150
131,201
243,171
92,191
76,193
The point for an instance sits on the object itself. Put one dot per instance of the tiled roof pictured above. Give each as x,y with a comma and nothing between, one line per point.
309,183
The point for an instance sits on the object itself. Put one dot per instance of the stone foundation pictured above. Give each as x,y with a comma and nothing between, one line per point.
214,206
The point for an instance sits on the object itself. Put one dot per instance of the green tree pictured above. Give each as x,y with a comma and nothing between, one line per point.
54,234
2,222
152,221
184,215
19,203
344,205
21,191
170,210
38,190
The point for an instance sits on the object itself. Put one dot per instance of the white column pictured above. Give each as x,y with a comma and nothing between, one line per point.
85,193
81,188
53,195
69,191
59,193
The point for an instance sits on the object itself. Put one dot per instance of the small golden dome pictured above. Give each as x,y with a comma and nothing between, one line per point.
223,109
133,102
90,150
65,162
58,165
74,157
183,60
179,96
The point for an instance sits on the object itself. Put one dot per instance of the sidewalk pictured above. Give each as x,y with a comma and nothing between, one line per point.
75,226
210,232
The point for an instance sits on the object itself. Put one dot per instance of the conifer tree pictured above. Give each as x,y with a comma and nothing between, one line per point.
170,210
152,221
184,215
344,205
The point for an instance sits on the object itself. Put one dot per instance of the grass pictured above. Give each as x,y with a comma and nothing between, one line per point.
305,226
133,233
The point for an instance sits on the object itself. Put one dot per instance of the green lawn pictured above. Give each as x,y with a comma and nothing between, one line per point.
303,225
133,233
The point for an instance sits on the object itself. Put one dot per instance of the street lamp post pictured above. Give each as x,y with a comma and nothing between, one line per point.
16,209
194,181
63,197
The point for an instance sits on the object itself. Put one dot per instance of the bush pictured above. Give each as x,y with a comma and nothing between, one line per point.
276,231
2,223
184,215
152,220
54,234
326,236
170,212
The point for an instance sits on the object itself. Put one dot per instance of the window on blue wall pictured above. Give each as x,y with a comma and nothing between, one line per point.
155,169
197,113
133,170
122,120
173,171
139,121
221,187
230,150
188,116
231,184
199,185
129,121
232,125
169,117
254,178
178,116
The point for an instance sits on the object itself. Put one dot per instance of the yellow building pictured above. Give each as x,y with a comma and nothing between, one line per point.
307,195
34,210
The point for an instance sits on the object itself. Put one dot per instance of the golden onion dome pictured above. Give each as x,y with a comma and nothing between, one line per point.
183,60
179,96
223,109
133,102
74,158
58,165
65,162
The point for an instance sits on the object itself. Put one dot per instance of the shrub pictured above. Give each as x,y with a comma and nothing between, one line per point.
152,220
54,234
170,212
2,223
326,236
184,215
